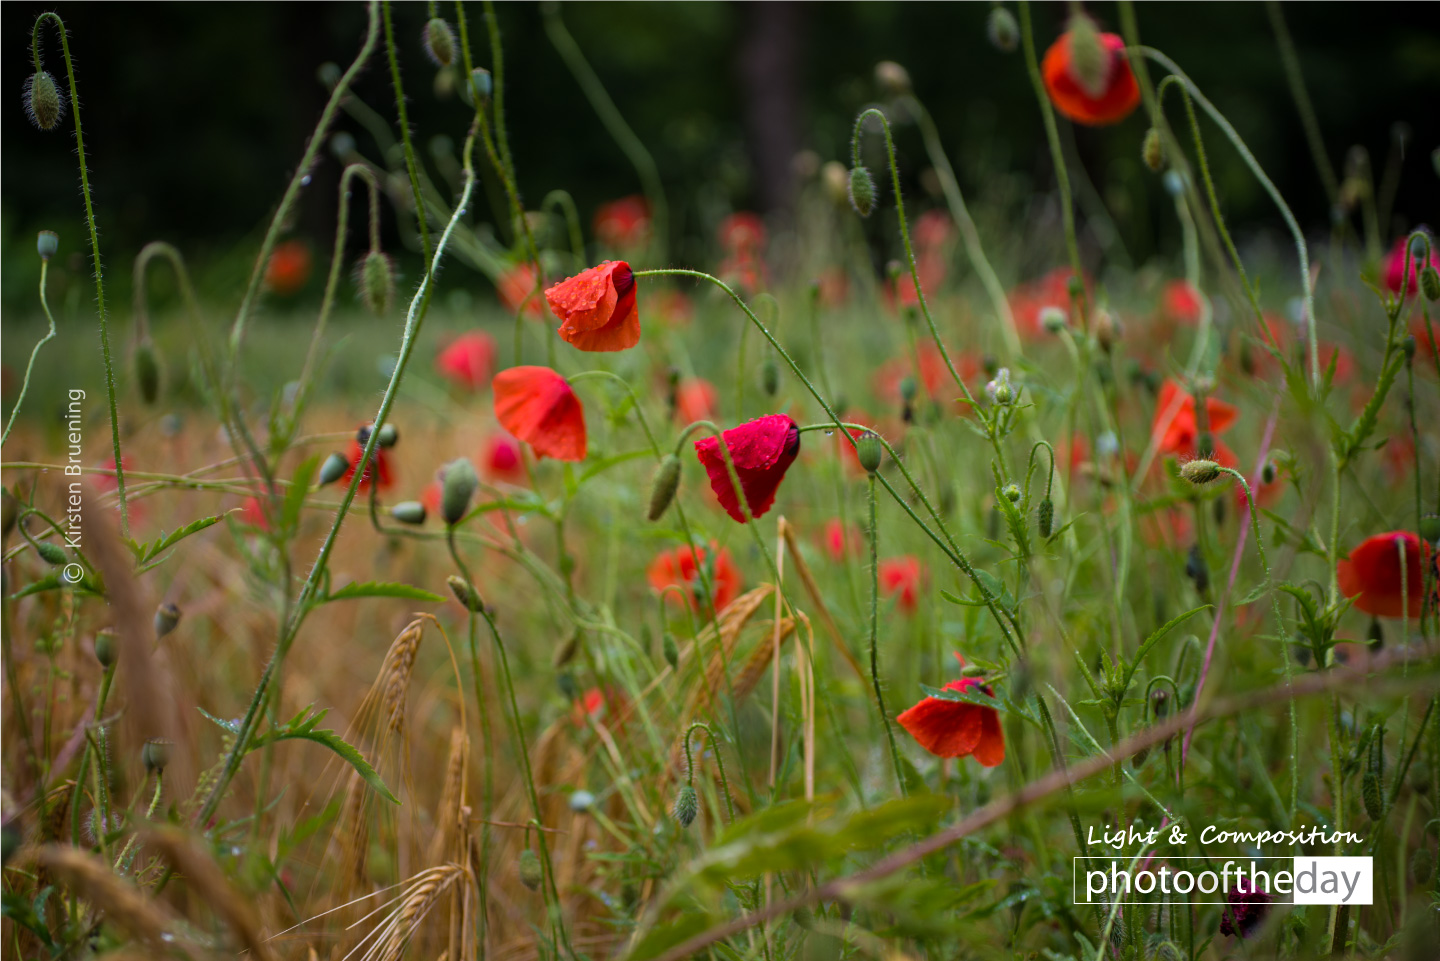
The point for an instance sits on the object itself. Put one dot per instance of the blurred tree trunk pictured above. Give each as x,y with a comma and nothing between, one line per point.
770,65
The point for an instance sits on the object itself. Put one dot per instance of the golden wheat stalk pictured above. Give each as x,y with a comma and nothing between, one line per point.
202,873
121,902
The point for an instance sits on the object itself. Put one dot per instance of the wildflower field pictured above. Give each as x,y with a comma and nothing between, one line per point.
906,571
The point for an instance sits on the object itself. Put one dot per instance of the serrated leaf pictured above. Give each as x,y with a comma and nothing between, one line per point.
232,726
382,589
167,541
1155,638
304,729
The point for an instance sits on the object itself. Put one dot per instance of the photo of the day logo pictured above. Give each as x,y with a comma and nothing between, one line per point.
1296,880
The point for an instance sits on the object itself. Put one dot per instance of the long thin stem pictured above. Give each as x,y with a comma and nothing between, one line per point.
874,533
25,384
1296,79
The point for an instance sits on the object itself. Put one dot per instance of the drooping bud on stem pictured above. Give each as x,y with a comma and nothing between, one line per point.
1152,151
147,371
1047,517
529,869
43,100
862,190
409,512
376,278
687,806
333,469
1090,62
466,594
167,617
457,490
1003,31
663,485
1200,471
439,42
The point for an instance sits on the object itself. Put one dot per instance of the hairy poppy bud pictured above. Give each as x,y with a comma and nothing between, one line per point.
1053,319
687,805
581,801
377,282
909,387
671,651
892,78
870,451
106,649
1430,283
47,243
1200,471
52,553
529,869
156,755
466,594
1152,151
1003,31
333,469
43,100
439,42
457,489
389,436
409,512
1089,58
1047,517
167,616
1268,472
663,485
147,372
480,87
1012,493
862,191
769,377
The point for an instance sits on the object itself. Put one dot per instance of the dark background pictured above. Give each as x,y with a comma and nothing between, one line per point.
195,113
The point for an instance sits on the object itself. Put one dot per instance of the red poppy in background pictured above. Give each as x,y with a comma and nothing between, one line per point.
695,399
539,407
1371,575
680,567
378,468
934,377
930,266
956,729
742,233
762,450
1179,434
744,270
105,483
1395,264
933,229
500,459
841,541
288,267
623,223
1112,102
833,286
900,577
1180,303
253,514
597,309
467,360
669,305
515,286
1030,298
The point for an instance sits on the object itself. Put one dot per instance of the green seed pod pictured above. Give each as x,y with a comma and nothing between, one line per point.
389,436
439,42
1047,517
43,100
333,469
770,377
671,650
481,85
1430,527
107,648
909,389
1160,703
156,755
1407,347
870,451
862,191
167,616
1053,319
1200,471
663,485
409,512
147,372
1268,472
1151,151
465,593
52,553
1003,31
529,869
1012,493
457,490
1430,283
377,282
47,243
1422,865
687,806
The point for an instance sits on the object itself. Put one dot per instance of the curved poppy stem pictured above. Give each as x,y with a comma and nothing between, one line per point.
874,636
25,384
719,764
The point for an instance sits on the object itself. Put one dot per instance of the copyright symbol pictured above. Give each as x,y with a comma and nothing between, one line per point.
72,573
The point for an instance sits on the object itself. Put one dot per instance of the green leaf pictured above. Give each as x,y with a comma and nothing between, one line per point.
1001,704
663,937
231,726
149,551
1155,638
382,589
23,913
303,726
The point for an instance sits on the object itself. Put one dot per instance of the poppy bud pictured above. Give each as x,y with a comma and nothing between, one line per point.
687,805
1152,151
528,867
1089,59
892,78
147,372
156,755
52,553
389,436
1268,472
837,182
909,387
565,681
671,651
47,242
43,100
1197,570
1160,703
1012,493
1053,319
1375,637
481,86
1047,517
581,801
106,651
328,74
1430,283
1407,347
439,42
1200,471
457,489
1107,332
862,191
870,451
167,616
409,512
663,485
377,282
1430,527
333,469
466,594
1003,31
769,377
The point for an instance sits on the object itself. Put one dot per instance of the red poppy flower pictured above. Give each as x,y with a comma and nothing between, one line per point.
500,459
596,307
1395,264
679,567
1179,434
834,286
1117,96
1180,303
1371,574
253,514
432,496
379,467
841,541
900,577
762,450
516,287
695,399
933,229
933,375
742,233
930,266
623,223
539,407
288,267
745,271
955,729
467,360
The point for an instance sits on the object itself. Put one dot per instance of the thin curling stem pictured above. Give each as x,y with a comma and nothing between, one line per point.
25,384
94,254
1302,100
719,764
566,204
874,638
404,117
